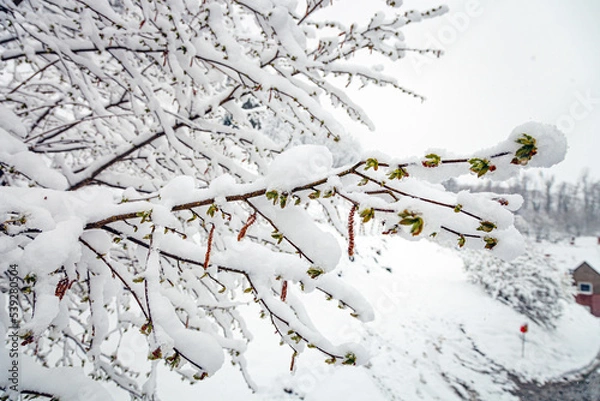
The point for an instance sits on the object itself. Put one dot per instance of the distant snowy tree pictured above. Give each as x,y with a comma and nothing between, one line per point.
532,284
164,162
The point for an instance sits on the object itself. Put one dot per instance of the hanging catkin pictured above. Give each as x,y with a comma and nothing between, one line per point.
209,246
249,222
284,288
351,232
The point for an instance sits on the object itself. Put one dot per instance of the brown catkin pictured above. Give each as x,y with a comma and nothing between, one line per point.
249,222
351,231
62,287
284,288
209,246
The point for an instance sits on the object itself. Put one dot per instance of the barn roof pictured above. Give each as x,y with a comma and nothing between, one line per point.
586,264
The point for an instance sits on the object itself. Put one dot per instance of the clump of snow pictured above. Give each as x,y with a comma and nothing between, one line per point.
52,249
64,383
222,185
261,263
296,224
15,153
201,348
171,193
10,122
289,34
394,3
550,141
299,165
511,244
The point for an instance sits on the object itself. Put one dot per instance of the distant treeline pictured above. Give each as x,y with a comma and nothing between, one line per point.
551,209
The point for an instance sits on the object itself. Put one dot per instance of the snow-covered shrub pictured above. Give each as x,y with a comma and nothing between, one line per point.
532,284
164,162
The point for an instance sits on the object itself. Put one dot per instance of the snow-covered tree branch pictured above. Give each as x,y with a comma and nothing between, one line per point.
164,162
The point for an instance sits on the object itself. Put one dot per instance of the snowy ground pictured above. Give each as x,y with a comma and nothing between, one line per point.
435,337
584,249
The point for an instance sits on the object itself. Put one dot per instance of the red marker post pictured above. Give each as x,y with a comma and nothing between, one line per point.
524,328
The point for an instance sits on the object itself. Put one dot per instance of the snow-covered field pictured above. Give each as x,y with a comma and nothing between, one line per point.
436,336
584,249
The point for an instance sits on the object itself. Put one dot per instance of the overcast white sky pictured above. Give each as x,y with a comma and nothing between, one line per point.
506,62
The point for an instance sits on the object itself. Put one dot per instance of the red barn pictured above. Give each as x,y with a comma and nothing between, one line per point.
587,280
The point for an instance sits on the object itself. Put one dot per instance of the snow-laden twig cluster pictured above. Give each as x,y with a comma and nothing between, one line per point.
164,163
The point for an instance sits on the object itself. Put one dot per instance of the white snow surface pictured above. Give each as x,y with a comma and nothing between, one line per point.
70,384
321,247
583,249
14,153
200,347
299,165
